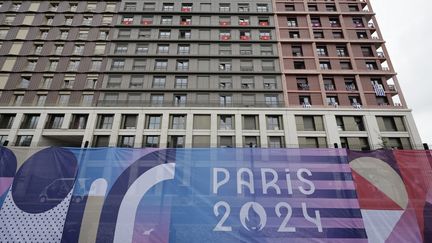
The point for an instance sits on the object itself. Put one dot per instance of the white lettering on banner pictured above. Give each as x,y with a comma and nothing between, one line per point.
269,181
216,183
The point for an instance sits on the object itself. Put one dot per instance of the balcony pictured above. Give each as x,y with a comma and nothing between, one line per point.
225,37
263,23
392,88
244,23
146,22
186,22
264,37
186,9
303,86
244,37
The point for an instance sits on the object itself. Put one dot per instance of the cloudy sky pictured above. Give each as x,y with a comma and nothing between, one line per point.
407,28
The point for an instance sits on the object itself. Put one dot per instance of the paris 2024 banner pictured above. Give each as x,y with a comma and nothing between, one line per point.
214,195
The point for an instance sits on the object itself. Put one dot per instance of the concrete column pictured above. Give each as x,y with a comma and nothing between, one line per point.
89,131
139,130
263,130
189,129
290,131
39,129
14,128
373,131
238,130
213,130
412,130
331,130
164,130
115,130
66,121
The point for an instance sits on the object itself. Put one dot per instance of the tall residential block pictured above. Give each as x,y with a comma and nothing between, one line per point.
199,73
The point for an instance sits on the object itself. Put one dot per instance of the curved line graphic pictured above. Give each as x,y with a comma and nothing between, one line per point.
128,207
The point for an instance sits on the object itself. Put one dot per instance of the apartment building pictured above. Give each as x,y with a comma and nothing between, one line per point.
196,73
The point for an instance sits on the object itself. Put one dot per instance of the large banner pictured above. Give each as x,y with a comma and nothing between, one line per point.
214,195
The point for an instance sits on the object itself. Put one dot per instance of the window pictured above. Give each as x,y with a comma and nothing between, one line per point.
41,99
243,7
179,100
264,35
371,65
18,100
334,22
153,122
24,83
367,51
159,82
345,65
245,49
225,49
302,84
262,7
124,34
325,65
63,99
250,122
129,6
318,34
225,141
164,34
149,7
30,121
275,142
337,34
101,141
6,121
87,20
139,64
157,99
299,65
305,101
226,122
181,82
96,65
329,84
224,7
166,20
52,65
141,49
358,22
316,22
182,65
225,82
178,122
269,82
183,49
250,141
243,21
83,34
24,140
186,7
151,141
87,100
313,7
64,35
54,121
118,64
322,51
163,48
46,83
246,65
185,20
105,121
292,22
225,100
121,49
73,65
9,19
136,82
332,101
247,82
266,50
129,121
126,141
176,141
297,51
341,51
168,7
274,122
225,66
78,49
161,64
201,122
127,20
103,35
185,34
271,100
58,49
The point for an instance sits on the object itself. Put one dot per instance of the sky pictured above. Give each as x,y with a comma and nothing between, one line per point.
406,27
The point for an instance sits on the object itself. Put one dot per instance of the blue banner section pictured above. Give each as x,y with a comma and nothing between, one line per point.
206,195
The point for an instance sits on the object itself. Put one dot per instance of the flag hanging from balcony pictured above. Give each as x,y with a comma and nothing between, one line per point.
214,195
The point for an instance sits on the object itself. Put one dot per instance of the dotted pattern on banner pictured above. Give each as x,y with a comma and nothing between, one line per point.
19,226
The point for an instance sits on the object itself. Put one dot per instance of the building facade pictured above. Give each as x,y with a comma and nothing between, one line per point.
198,73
